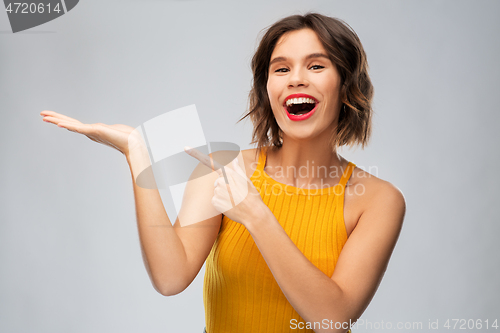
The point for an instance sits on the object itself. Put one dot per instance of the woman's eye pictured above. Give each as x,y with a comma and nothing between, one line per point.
317,67
281,70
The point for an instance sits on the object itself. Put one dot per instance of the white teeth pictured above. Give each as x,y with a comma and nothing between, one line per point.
300,100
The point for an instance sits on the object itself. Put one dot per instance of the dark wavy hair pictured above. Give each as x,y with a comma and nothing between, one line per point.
345,51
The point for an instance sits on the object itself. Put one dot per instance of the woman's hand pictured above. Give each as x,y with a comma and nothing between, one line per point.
120,137
234,194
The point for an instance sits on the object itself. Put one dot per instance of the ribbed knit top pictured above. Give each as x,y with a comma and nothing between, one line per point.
240,293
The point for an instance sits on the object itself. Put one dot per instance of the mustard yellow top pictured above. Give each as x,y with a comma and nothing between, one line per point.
240,293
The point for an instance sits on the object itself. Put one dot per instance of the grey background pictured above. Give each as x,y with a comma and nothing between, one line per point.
69,252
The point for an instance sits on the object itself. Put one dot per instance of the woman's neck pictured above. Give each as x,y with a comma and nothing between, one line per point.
305,163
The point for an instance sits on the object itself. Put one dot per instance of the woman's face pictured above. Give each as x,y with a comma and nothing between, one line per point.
303,86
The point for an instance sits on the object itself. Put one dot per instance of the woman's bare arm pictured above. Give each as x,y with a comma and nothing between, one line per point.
173,255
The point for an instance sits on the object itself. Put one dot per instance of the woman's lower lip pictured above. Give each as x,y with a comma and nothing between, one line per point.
304,116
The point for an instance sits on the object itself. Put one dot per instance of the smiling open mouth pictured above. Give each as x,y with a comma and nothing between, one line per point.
297,109
300,106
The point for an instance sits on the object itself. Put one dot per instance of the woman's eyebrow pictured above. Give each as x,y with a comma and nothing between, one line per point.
310,56
277,59
317,55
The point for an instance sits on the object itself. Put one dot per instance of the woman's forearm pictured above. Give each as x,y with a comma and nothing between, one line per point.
314,295
162,250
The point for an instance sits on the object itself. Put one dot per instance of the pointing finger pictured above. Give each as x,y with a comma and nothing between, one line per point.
206,160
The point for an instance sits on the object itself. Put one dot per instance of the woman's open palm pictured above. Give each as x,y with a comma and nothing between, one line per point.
121,137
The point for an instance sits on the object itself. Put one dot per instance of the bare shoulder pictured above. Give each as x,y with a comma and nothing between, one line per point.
373,186
367,194
250,155
251,159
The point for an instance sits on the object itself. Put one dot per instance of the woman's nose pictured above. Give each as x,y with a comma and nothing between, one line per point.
297,79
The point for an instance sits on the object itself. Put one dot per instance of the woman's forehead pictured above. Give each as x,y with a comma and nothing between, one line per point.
293,43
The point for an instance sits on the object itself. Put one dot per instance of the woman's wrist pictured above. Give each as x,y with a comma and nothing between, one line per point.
259,218
138,160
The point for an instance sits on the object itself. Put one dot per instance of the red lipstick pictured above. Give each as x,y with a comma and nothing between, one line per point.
299,117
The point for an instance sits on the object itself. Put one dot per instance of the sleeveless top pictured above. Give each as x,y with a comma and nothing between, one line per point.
240,293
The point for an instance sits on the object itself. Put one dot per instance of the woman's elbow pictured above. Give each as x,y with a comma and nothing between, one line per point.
170,288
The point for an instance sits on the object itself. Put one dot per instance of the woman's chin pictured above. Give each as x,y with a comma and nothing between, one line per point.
302,134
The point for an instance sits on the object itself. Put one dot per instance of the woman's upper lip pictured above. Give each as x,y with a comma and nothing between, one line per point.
298,96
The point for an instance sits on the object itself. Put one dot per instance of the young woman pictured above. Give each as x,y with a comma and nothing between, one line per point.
284,251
